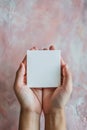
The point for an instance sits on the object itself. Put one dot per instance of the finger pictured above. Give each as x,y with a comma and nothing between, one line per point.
62,62
24,61
52,47
20,75
63,76
34,48
67,78
45,49
62,65
25,79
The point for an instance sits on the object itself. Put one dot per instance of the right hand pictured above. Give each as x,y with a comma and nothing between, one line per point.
56,98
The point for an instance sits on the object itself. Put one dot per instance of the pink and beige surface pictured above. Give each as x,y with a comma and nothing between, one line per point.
27,23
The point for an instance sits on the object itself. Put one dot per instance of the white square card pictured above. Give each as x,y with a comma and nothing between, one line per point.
43,68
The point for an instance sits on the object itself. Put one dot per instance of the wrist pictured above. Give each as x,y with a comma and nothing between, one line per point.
55,120
55,111
29,113
29,110
29,120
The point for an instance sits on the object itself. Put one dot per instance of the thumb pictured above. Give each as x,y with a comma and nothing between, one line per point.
67,78
20,75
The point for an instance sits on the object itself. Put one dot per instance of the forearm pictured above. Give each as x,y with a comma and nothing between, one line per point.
29,120
55,120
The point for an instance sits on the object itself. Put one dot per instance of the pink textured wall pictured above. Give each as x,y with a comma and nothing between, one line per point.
24,23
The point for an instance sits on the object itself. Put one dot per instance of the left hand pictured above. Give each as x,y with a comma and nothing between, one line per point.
29,99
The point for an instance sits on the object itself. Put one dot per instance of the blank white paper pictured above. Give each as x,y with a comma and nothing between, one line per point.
43,68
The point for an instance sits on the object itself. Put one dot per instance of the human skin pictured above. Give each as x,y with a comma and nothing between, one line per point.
54,100
51,100
30,100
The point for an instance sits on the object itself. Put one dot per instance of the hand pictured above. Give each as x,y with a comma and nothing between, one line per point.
56,98
30,99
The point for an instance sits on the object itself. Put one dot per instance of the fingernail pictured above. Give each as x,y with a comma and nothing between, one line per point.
44,48
52,47
34,47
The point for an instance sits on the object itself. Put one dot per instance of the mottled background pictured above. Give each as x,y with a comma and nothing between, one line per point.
27,23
